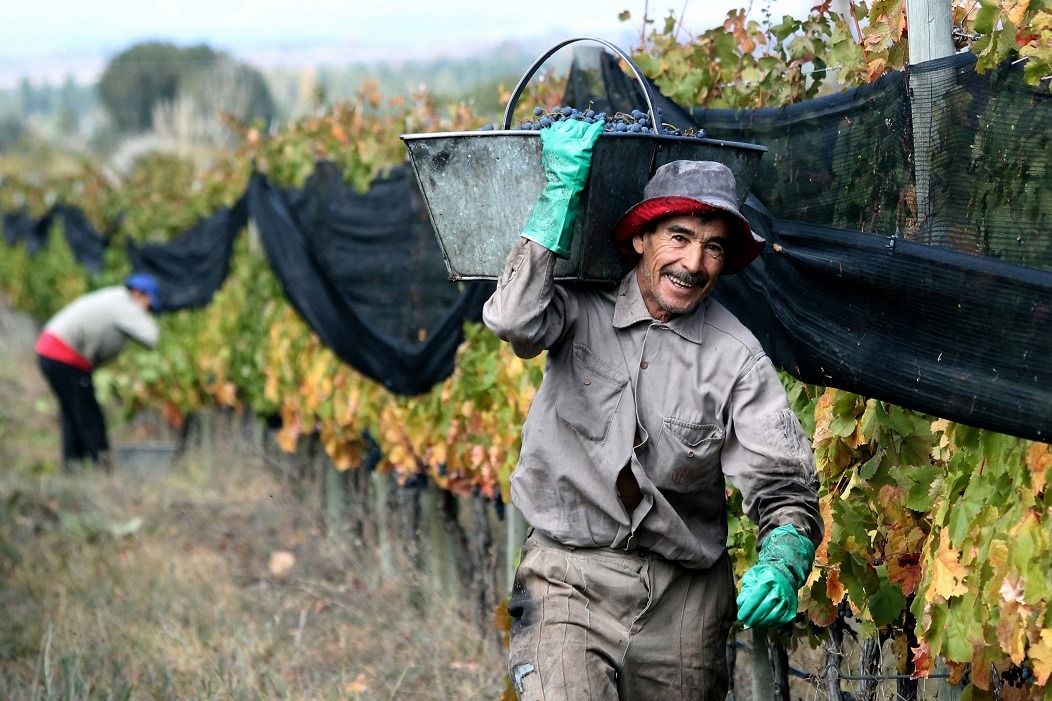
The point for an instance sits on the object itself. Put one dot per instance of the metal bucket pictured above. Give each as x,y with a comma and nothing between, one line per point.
480,187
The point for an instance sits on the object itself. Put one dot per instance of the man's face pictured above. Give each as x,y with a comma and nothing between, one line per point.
681,260
142,299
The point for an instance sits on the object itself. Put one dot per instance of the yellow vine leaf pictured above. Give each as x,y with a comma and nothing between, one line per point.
270,387
1041,657
876,69
287,437
1039,460
900,649
1017,11
345,456
824,417
439,453
981,674
398,456
1011,626
825,508
226,394
948,574
834,589
998,555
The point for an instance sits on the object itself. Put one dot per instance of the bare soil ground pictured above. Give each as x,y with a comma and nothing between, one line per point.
209,580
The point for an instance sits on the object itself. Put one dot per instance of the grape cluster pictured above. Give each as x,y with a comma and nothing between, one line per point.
1017,677
634,122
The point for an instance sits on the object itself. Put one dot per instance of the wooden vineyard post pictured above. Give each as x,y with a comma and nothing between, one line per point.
834,653
441,556
382,518
943,689
930,24
335,496
869,666
780,669
762,678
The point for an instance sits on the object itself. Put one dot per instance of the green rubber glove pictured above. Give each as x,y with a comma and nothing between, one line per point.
768,595
567,157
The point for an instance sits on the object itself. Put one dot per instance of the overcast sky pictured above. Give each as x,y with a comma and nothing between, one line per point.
48,40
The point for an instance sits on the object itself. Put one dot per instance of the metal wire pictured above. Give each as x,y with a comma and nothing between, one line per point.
812,676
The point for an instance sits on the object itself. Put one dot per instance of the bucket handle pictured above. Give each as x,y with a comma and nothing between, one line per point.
508,112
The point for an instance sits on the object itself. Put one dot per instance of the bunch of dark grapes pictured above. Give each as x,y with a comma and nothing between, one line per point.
634,122
1017,677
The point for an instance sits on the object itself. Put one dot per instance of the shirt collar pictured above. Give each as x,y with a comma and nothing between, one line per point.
630,309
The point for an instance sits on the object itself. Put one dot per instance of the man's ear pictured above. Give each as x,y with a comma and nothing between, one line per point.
637,243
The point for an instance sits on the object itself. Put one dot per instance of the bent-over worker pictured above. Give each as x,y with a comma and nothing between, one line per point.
88,332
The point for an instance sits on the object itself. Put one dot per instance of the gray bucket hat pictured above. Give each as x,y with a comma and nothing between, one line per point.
690,188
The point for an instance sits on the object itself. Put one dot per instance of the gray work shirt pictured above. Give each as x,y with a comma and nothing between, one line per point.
98,324
685,404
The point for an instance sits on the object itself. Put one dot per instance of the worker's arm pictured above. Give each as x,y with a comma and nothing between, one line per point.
768,458
141,327
528,309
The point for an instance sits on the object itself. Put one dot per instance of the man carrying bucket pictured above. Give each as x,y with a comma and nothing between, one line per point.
653,395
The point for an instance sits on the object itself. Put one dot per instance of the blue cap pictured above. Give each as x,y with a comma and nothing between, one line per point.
144,282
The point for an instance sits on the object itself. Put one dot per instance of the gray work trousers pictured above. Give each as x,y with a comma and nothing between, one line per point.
605,624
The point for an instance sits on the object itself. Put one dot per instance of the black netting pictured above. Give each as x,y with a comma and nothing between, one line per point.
365,271
192,267
959,336
973,173
378,249
18,227
85,242
989,174
353,266
840,161
909,254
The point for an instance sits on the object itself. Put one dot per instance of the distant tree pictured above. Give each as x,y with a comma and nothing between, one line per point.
230,87
12,129
74,97
136,79
156,74
34,100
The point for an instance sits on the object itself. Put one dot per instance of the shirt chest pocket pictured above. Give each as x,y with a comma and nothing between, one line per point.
590,398
693,434
687,455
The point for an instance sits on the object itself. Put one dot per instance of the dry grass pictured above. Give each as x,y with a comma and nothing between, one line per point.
28,423
156,585
160,588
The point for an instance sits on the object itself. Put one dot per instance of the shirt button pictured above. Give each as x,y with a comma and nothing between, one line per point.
644,365
690,453
588,382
